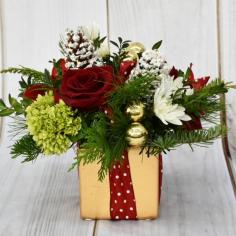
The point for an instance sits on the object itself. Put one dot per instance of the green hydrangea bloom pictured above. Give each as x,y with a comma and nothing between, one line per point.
50,124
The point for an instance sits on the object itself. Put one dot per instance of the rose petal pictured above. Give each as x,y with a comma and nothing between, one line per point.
87,89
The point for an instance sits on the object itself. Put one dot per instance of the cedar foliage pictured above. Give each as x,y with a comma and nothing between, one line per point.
37,76
26,148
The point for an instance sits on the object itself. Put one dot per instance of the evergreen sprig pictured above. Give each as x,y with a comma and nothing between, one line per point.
96,148
25,71
171,140
105,142
27,148
37,76
203,99
18,127
134,91
205,102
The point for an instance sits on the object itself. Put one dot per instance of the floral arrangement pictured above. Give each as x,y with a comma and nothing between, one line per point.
105,102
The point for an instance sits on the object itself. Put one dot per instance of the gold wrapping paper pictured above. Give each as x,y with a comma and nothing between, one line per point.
95,195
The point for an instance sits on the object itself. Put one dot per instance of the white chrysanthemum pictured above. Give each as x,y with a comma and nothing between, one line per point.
172,85
164,109
103,51
91,32
169,85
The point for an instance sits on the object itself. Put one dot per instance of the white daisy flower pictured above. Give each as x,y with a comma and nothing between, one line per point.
169,86
103,51
91,32
164,109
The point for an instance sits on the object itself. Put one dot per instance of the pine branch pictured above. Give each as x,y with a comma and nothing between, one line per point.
61,43
171,140
208,93
37,76
18,127
205,102
105,142
133,91
27,148
96,148
24,71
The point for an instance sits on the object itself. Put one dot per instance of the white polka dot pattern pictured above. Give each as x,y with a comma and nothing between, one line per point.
122,201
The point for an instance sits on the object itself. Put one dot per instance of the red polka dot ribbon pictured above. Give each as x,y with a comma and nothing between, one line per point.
122,201
122,198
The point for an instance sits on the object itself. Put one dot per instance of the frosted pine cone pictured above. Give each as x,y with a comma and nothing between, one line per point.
152,62
78,50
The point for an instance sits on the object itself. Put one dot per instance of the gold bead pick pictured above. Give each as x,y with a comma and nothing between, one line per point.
136,111
136,134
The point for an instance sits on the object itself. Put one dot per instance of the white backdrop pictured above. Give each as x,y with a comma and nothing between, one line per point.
195,184
1,67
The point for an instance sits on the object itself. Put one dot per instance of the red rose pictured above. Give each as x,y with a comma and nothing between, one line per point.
33,91
88,88
62,65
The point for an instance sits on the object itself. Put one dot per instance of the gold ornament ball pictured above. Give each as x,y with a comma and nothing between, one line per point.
136,134
136,111
133,50
136,47
131,56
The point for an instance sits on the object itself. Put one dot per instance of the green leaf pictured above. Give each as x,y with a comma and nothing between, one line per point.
47,74
15,104
23,83
127,41
180,73
157,45
114,43
12,100
120,40
29,81
2,104
6,112
188,72
102,40
125,45
26,102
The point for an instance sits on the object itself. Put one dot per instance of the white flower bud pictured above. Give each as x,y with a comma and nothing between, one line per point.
103,51
91,32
